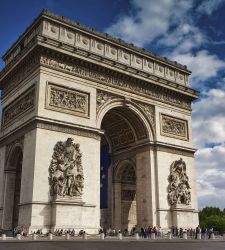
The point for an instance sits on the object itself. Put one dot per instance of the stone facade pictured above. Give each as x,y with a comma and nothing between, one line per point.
67,90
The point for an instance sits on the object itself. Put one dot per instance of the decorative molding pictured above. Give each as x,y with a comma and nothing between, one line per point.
118,80
66,178
102,98
24,104
179,188
67,100
23,70
173,127
68,130
177,151
81,37
128,195
149,111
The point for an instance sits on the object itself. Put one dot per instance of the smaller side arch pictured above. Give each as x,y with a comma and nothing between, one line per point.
14,152
120,167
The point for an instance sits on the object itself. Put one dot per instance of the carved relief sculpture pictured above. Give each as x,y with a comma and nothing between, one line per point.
66,170
19,107
150,112
68,100
110,79
179,188
102,98
174,127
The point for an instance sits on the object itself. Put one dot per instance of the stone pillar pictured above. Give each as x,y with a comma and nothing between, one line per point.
120,237
199,236
2,181
136,236
50,236
102,236
10,177
67,236
34,236
117,211
145,189
3,236
18,236
85,236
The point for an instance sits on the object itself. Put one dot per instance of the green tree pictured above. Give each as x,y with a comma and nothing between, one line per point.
212,217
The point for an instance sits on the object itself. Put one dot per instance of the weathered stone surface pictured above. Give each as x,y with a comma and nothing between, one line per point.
75,91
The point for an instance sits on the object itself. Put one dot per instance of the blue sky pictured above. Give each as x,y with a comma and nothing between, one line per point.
191,32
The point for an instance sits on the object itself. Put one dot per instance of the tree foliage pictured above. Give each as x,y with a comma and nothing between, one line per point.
212,217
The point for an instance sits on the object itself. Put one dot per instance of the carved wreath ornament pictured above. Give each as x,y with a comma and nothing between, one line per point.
179,188
65,170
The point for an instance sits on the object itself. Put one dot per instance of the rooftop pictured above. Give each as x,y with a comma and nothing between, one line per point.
118,41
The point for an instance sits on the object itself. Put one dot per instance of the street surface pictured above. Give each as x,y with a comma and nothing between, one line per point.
112,245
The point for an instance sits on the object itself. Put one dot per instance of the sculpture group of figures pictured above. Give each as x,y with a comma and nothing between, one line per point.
65,170
179,188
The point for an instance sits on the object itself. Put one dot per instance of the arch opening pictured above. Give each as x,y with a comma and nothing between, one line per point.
13,175
123,130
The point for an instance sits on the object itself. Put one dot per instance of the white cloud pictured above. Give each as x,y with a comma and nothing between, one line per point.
151,19
172,26
208,6
202,64
209,128
172,22
184,38
210,164
209,118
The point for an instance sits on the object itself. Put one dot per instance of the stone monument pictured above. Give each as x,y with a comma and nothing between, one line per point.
67,91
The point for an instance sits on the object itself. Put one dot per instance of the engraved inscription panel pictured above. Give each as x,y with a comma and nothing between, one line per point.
67,100
174,127
21,106
115,81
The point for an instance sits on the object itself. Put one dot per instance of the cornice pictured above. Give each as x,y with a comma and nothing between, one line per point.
152,87
49,124
46,15
67,37
160,146
111,77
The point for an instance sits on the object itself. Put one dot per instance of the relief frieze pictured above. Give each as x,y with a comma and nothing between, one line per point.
67,100
149,110
21,106
174,127
115,80
103,98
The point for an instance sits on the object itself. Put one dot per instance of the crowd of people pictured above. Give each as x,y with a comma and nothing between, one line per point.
193,233
144,232
157,232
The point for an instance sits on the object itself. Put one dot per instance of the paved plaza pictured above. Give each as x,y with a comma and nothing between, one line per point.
111,245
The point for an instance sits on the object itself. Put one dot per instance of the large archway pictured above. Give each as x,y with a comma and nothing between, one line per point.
121,195
13,173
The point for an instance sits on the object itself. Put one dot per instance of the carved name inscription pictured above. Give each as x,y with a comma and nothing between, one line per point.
24,104
116,81
179,188
174,127
66,170
67,100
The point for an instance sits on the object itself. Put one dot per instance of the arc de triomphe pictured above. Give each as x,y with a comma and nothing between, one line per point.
94,131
